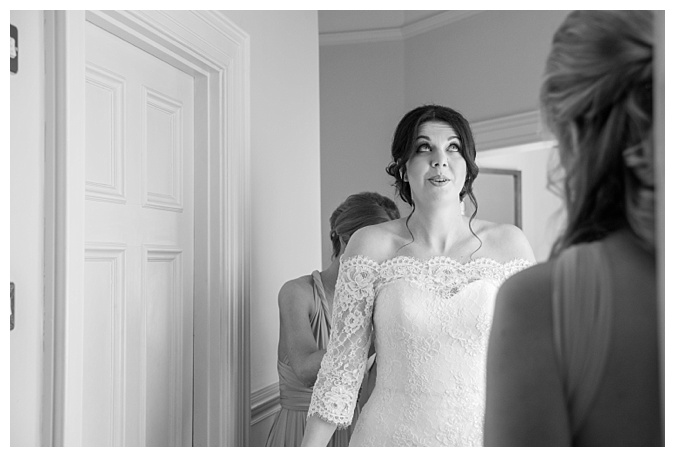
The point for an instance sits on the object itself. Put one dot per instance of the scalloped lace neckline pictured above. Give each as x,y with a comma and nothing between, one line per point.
438,259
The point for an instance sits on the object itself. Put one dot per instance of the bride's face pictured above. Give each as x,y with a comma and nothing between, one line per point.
436,169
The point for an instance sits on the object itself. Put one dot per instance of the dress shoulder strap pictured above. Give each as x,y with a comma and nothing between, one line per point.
320,300
321,319
582,320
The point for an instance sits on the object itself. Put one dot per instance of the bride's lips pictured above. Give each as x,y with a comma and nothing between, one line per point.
439,180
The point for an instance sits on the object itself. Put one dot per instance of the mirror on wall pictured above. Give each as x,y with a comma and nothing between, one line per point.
499,195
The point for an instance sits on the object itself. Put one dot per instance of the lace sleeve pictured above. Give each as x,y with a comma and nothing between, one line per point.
343,365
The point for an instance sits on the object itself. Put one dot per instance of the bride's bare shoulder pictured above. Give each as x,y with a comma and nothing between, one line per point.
503,242
377,242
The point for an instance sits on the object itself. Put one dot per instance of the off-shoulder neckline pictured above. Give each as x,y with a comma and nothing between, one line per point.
435,259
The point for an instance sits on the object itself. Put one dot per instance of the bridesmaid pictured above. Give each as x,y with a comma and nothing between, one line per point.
573,358
305,311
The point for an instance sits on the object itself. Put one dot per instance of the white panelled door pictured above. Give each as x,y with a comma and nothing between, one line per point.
139,243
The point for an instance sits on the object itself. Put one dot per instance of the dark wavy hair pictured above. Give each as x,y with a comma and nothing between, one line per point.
596,98
357,211
402,148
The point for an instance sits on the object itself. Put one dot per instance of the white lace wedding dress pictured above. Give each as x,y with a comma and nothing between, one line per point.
431,320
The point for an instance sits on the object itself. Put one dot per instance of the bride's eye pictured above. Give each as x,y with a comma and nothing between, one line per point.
424,147
454,147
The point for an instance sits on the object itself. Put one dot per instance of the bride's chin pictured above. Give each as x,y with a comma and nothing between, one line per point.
444,196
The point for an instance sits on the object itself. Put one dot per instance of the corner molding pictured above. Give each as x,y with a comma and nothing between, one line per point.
395,33
436,21
368,36
264,403
511,130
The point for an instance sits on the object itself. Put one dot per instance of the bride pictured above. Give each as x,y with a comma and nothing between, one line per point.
423,287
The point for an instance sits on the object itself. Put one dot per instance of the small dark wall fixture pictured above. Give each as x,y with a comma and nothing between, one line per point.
13,49
11,304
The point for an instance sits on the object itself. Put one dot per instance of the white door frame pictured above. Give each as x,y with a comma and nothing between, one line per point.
215,52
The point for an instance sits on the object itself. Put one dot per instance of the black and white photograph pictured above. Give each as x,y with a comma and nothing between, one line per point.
297,227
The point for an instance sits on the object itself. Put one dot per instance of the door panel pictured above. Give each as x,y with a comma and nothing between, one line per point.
138,318
104,281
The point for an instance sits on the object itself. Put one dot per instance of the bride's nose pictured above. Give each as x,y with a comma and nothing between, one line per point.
439,161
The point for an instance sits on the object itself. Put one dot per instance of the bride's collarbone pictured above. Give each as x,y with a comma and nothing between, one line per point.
430,254
463,250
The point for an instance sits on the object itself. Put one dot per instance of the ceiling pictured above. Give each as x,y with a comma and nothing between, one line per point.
343,21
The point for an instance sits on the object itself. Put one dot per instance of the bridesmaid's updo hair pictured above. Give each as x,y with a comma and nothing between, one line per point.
357,211
597,99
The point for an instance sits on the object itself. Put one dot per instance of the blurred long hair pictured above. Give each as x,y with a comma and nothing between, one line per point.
597,100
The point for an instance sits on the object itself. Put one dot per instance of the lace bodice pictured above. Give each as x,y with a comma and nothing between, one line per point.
431,320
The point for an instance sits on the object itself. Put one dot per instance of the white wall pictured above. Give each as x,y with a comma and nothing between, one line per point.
486,66
26,228
361,101
285,168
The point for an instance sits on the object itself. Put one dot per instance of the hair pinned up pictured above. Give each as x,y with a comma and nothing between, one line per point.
402,149
404,137
359,210
597,99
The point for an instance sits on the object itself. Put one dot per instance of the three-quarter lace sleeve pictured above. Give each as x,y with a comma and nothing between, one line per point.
342,368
